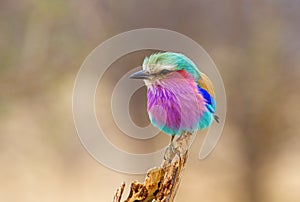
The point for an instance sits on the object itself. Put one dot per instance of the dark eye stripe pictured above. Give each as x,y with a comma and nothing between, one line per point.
165,71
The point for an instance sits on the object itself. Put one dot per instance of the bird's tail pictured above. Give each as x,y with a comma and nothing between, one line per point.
217,118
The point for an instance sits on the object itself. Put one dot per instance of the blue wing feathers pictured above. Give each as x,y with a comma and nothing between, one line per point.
210,102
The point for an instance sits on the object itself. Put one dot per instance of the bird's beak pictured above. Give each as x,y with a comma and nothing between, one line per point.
142,74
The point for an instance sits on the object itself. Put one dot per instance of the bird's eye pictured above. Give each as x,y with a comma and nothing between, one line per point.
165,71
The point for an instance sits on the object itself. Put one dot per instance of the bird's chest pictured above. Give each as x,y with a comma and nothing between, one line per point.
175,105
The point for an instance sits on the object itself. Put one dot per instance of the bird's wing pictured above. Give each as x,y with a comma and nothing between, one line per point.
206,88
205,83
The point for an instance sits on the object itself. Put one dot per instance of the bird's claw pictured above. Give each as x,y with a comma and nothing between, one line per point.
170,153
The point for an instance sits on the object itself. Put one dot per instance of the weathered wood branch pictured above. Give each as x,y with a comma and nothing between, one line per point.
161,184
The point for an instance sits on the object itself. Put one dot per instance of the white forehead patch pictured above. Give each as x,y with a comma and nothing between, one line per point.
156,68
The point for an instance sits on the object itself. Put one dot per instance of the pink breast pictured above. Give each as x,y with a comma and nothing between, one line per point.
174,102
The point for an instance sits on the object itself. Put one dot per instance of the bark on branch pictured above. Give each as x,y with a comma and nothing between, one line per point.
161,184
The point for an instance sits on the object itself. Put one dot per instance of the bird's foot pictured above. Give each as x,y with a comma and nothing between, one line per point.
170,153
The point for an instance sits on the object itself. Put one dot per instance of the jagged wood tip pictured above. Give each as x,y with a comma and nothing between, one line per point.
161,184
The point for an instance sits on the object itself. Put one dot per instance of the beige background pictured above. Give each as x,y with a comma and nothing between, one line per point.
255,45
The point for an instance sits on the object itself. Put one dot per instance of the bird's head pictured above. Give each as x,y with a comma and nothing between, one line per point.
162,65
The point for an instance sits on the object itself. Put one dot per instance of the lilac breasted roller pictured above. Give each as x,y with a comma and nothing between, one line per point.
180,98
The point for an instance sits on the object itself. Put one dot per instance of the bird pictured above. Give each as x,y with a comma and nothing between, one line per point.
180,98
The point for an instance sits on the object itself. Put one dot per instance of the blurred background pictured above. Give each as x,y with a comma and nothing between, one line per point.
255,45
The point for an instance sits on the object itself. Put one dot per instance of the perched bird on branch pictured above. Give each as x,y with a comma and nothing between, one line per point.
180,97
